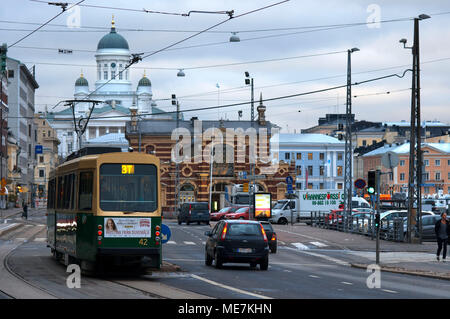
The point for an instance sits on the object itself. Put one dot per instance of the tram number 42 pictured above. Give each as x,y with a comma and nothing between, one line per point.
143,241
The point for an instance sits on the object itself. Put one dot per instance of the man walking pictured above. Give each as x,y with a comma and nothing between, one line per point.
442,230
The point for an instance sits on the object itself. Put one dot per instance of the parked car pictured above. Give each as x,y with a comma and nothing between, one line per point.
241,213
271,236
221,213
428,223
193,212
387,220
237,241
335,217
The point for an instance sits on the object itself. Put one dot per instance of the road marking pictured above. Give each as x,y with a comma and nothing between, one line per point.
40,239
346,283
300,246
318,244
390,291
171,242
189,243
230,288
314,276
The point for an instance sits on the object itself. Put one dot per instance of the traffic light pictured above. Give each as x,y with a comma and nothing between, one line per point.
371,182
3,51
377,220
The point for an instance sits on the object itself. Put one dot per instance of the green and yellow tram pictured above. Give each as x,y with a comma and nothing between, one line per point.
104,209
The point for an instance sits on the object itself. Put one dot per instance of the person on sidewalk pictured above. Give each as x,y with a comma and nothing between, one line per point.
442,230
25,210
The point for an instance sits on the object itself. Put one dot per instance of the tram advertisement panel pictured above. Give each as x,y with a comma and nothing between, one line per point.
128,227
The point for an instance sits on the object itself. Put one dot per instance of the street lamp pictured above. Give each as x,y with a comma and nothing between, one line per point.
348,141
234,37
180,73
249,81
415,153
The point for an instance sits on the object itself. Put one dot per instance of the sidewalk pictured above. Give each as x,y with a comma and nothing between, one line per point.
359,251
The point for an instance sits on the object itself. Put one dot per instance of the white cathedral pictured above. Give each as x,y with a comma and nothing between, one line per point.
107,123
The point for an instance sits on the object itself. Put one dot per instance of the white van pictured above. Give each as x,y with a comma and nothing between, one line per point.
359,202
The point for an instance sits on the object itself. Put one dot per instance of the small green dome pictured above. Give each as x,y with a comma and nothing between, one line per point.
144,82
113,40
81,81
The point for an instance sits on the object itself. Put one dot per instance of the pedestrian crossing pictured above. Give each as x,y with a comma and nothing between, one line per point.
299,246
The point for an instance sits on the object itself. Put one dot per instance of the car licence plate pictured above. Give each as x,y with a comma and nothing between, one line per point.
244,250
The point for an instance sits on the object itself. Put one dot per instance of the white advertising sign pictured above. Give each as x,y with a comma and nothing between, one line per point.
127,227
314,200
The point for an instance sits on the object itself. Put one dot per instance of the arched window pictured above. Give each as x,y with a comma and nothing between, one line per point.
150,149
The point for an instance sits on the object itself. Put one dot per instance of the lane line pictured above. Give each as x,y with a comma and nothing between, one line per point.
390,291
346,283
230,288
313,276
189,243
171,242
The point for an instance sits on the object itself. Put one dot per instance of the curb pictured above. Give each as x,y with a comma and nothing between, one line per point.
9,229
399,270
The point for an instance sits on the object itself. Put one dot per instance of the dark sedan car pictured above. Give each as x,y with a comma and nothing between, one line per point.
237,241
271,236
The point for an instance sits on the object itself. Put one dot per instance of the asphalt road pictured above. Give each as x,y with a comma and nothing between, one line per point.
294,272
303,267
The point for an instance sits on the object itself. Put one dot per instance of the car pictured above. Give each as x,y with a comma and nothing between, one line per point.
193,212
237,241
241,213
271,236
335,216
221,213
428,224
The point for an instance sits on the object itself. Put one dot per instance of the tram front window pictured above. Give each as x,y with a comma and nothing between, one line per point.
128,187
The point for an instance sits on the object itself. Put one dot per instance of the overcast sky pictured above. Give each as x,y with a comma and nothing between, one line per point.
379,49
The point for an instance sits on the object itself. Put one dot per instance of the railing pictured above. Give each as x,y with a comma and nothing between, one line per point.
392,230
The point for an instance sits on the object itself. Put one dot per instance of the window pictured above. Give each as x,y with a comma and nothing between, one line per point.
402,162
402,176
437,162
69,147
41,159
51,194
339,171
321,170
298,169
136,190
10,73
85,191
364,142
298,185
448,177
299,156
322,156
426,162
41,173
310,170
105,75
113,75
120,75
310,186
438,176
339,156
339,185
287,156
49,133
310,156
427,176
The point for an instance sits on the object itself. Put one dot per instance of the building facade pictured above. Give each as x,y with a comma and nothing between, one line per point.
231,156
436,159
318,159
21,96
47,157
3,137
113,87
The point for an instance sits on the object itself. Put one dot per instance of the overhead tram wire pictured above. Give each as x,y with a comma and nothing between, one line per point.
137,57
263,100
43,25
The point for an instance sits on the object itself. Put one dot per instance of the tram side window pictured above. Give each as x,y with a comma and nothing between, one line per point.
85,191
68,191
51,194
60,194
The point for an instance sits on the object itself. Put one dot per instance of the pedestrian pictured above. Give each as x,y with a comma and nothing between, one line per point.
25,210
442,230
